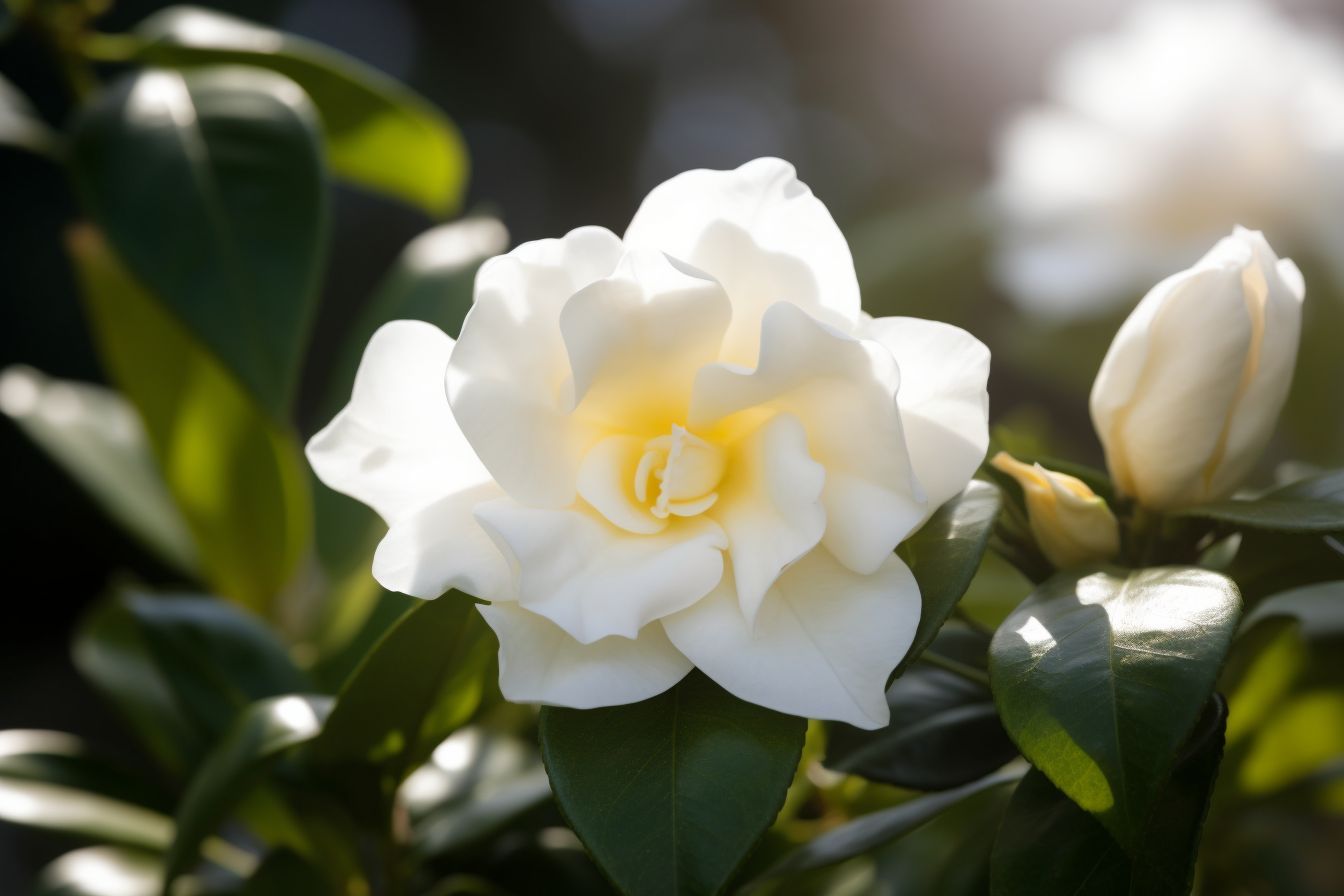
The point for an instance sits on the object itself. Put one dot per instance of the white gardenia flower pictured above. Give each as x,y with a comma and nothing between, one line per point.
686,448
1190,390
1157,136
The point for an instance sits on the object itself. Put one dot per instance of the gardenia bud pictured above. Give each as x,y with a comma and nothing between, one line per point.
1190,390
1072,525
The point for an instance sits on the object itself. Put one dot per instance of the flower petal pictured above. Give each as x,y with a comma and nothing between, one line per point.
395,446
770,506
606,481
824,641
442,546
943,401
509,377
761,233
635,340
843,391
540,663
595,580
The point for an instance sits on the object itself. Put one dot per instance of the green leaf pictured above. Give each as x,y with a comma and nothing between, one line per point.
211,186
181,668
378,133
103,871
1314,505
285,873
1317,609
95,435
237,476
418,684
868,832
61,759
669,795
944,730
259,736
944,556
1049,845
1099,679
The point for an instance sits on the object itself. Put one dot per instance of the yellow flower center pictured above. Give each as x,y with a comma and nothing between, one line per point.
678,473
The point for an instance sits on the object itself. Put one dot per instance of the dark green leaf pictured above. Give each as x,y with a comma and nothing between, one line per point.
260,735
237,476
1267,563
285,873
1099,679
95,436
869,832
418,684
1318,609
53,757
378,133
1049,845
211,186
103,871
944,730
944,555
1314,505
670,794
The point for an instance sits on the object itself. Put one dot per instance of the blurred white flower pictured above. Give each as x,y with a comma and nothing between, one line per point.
1192,386
690,447
1156,138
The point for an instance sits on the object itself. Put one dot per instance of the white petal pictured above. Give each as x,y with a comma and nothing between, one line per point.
761,233
606,481
509,378
442,546
635,340
595,580
943,400
843,391
824,641
540,663
770,506
395,446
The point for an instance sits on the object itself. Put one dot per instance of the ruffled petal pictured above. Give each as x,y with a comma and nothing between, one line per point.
824,642
540,663
843,391
595,580
760,232
943,401
509,377
395,446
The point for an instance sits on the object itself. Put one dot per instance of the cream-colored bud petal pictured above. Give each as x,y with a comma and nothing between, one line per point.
1071,524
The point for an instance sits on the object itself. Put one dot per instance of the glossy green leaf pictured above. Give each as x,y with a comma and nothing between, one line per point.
944,730
418,684
211,186
378,133
103,871
1099,678
1318,609
95,435
68,810
670,794
237,477
1047,844
181,667
944,556
258,737
869,832
61,759
1314,505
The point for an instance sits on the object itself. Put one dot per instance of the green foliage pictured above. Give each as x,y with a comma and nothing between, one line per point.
670,794
1099,679
1047,844
377,133
236,475
1314,505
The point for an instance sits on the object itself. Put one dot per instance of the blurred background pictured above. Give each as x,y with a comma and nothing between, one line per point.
906,118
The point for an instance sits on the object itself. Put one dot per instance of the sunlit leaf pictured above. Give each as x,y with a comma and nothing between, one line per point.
211,187
103,871
237,476
378,133
1099,679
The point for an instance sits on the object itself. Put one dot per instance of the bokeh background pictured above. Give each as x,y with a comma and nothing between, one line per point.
572,110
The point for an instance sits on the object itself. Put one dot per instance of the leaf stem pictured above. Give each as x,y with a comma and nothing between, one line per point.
970,673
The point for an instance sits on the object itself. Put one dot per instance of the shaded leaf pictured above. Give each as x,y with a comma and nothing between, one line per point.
95,435
670,794
1317,609
944,556
1099,679
285,873
1314,505
378,133
237,476
211,186
54,757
